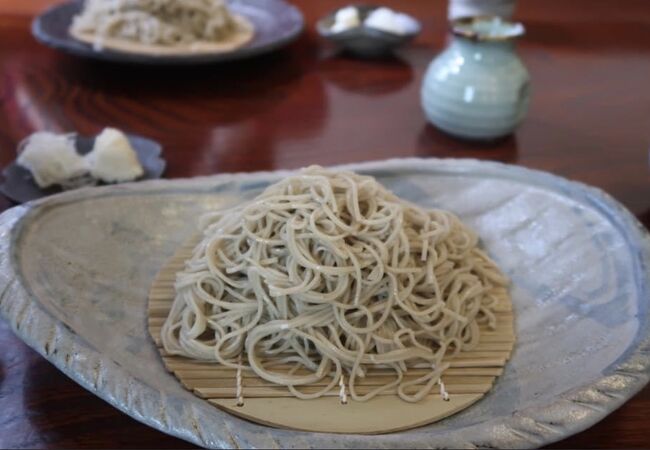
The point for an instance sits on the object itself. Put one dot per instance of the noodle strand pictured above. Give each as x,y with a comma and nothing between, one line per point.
327,275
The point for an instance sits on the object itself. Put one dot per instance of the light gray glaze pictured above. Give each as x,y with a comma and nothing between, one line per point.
75,269
478,88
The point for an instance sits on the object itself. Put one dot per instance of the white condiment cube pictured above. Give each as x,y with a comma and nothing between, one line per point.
385,19
51,158
112,158
345,19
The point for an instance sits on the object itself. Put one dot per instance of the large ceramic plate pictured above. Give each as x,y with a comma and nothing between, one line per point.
276,22
76,267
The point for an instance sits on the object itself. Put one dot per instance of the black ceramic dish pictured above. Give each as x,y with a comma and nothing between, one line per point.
276,22
362,40
19,185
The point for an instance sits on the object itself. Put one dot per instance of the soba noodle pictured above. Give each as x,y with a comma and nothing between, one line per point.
326,275
159,22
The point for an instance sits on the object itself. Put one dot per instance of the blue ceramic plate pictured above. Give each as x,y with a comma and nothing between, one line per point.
276,24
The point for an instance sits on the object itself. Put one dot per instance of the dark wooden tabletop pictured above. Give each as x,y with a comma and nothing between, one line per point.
589,121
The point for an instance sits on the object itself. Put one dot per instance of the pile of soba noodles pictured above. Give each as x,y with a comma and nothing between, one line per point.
158,22
326,275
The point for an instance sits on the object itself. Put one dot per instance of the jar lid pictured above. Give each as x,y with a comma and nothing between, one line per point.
487,28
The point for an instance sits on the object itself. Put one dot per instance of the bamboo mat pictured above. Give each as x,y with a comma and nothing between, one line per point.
471,375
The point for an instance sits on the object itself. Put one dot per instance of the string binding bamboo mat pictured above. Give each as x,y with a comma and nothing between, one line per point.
471,375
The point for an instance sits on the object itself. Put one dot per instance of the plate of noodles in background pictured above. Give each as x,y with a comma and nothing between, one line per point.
168,32
582,337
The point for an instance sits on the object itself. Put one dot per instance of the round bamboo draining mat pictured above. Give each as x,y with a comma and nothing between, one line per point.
470,377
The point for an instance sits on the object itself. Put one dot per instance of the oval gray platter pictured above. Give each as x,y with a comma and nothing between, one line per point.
76,267
277,24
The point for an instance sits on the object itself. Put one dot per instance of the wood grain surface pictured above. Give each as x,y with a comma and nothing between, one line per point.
589,121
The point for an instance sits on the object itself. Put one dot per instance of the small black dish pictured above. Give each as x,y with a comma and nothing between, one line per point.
276,22
19,185
362,40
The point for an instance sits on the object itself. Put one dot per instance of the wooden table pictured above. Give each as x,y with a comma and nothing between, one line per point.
589,121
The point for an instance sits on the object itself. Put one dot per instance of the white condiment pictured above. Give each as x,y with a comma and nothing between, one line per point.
345,19
385,19
112,158
51,158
